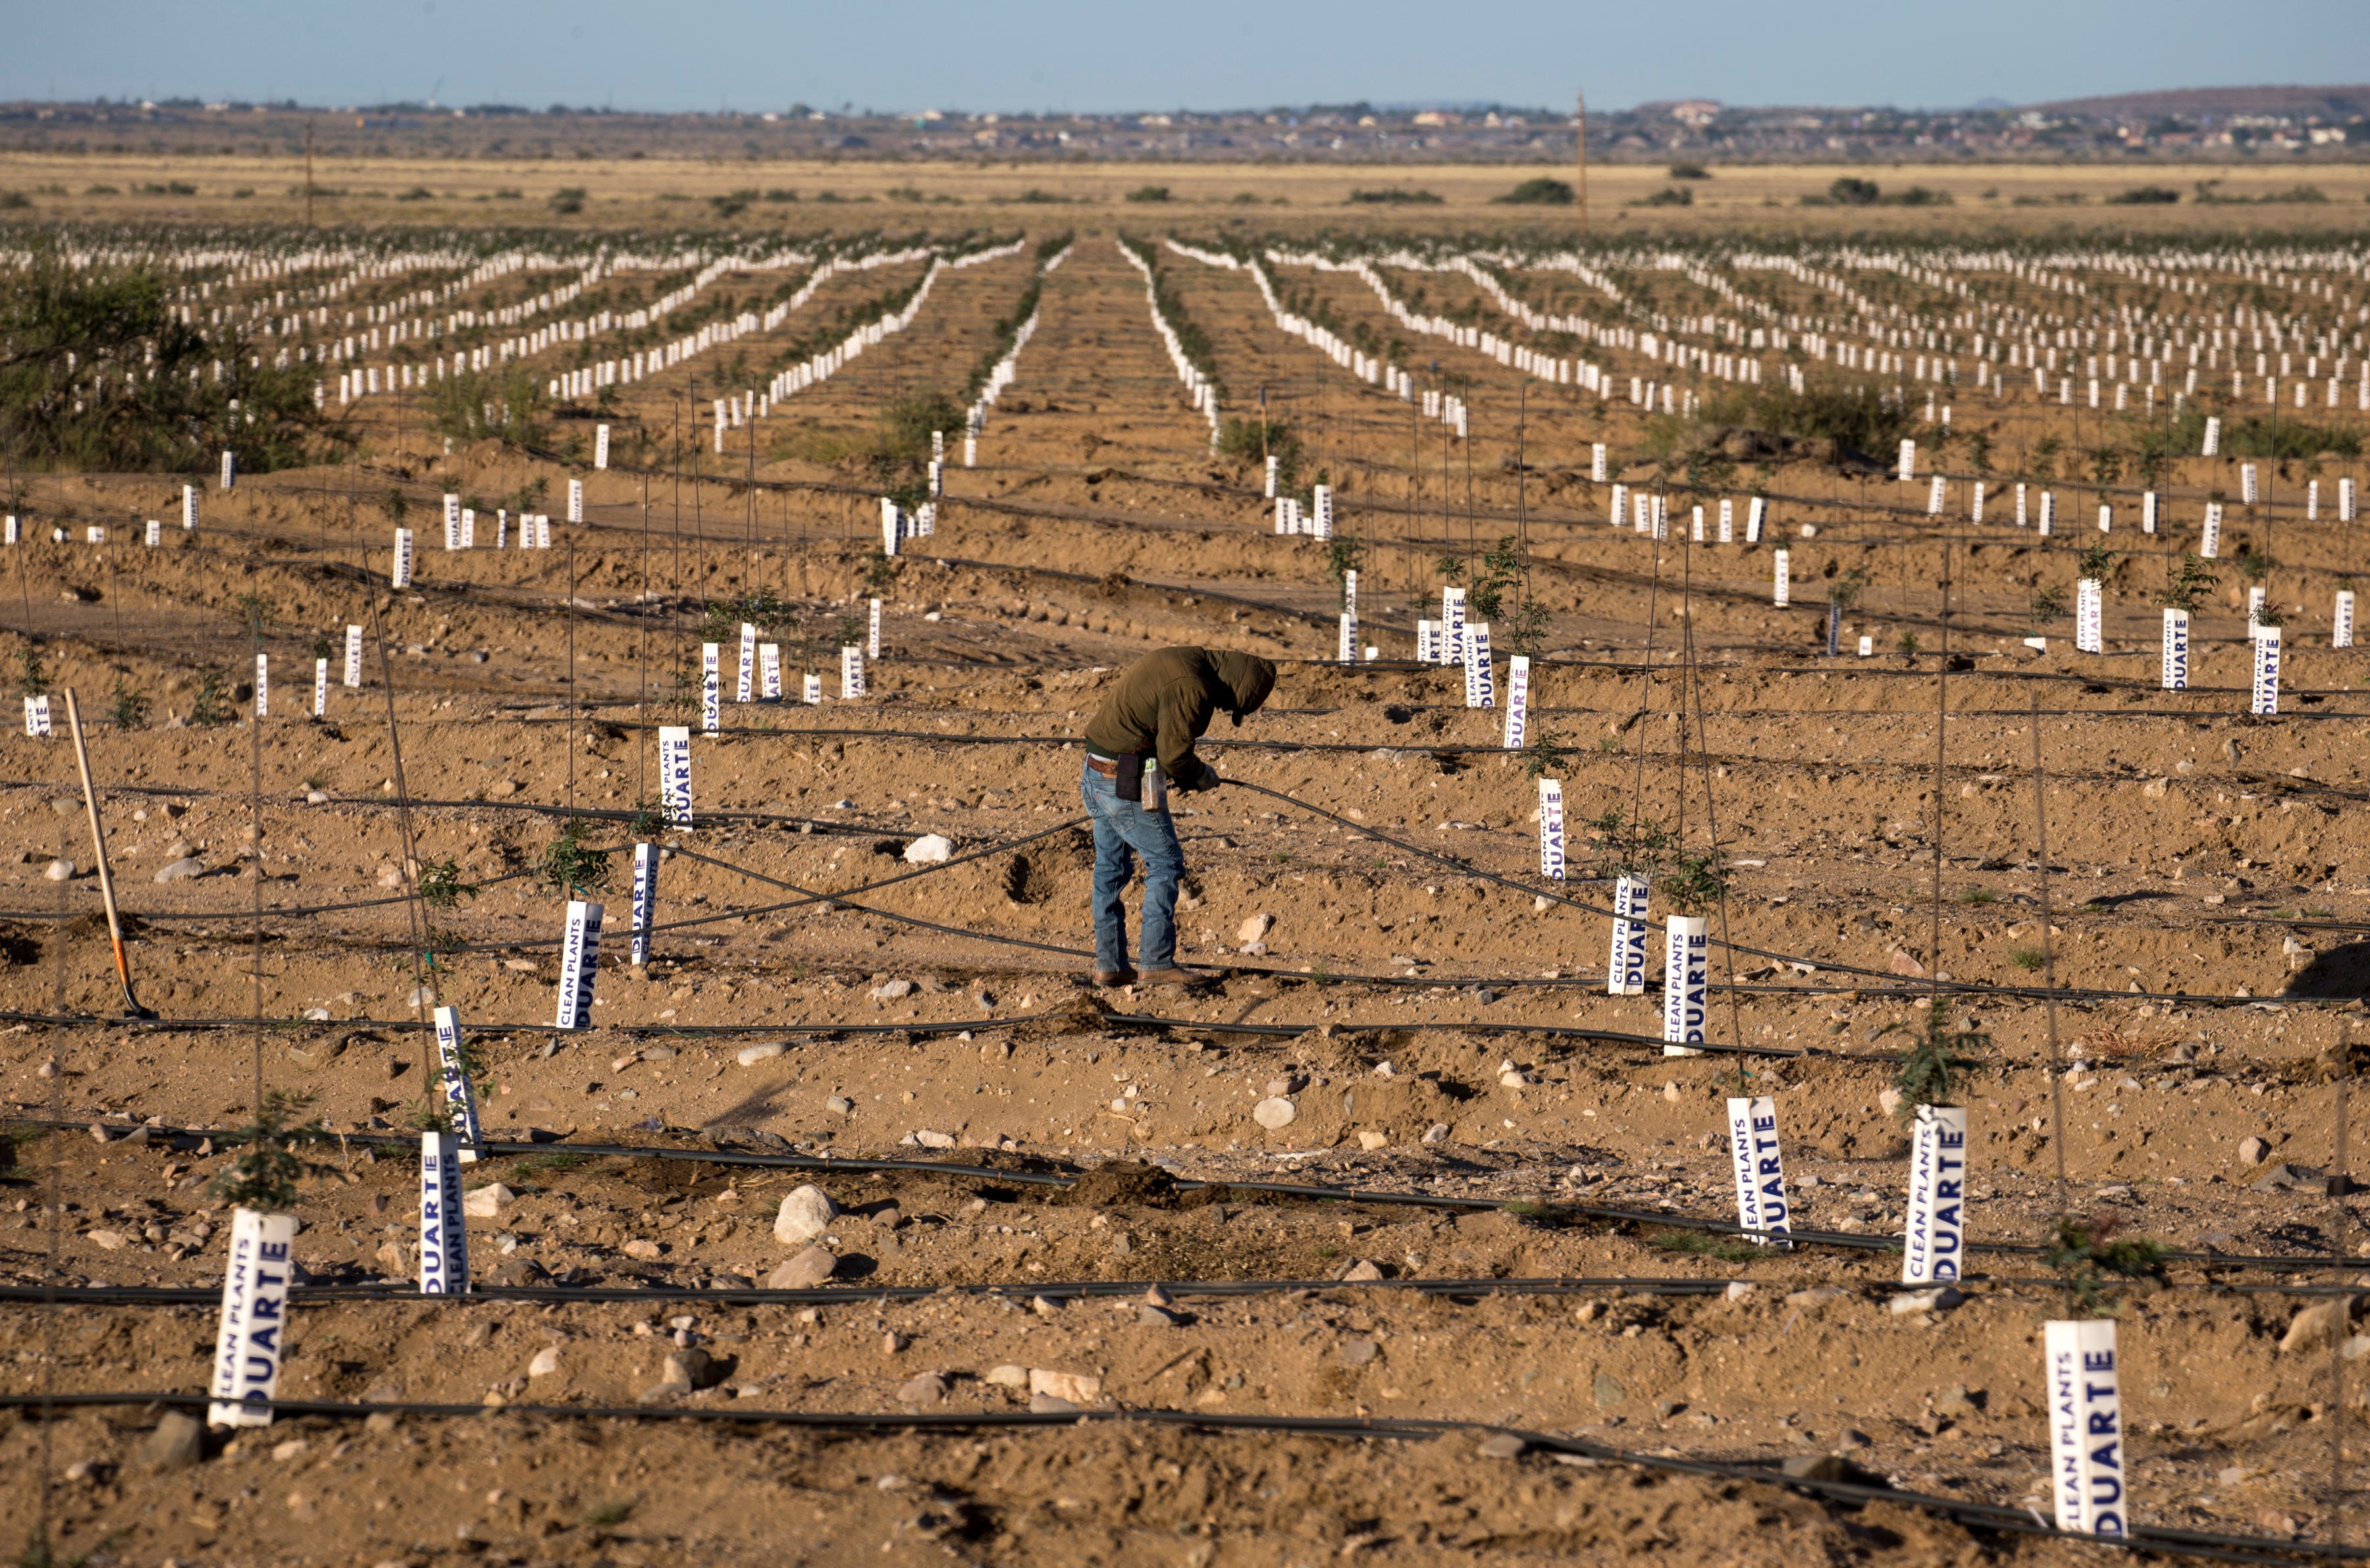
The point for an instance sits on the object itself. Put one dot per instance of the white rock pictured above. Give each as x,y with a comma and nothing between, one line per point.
1079,1388
891,990
1371,1139
1738,1289
1273,1113
928,849
1515,1079
929,1139
1008,1375
1941,1297
484,1203
751,1056
545,1362
1255,928
2253,1151
1889,1101
59,871
174,870
1362,1272
806,1213
839,1105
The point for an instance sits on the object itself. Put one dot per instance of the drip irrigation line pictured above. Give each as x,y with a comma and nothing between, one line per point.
1540,1209
319,1292
858,1294
1992,1516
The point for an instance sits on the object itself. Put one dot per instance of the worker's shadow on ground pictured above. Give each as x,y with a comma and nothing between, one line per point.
2340,974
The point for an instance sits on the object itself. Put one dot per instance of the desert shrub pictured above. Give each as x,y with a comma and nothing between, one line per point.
1850,190
1148,193
1541,191
509,403
2146,196
96,372
1394,196
1860,418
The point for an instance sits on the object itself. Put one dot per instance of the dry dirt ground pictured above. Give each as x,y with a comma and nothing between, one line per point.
1439,1033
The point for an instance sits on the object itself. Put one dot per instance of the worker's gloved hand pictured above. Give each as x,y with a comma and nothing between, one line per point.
1207,778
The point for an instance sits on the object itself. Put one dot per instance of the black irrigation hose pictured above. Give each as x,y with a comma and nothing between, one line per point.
859,1294
2227,1548
732,1157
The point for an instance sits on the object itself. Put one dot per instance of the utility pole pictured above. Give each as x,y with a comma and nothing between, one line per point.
308,172
1580,123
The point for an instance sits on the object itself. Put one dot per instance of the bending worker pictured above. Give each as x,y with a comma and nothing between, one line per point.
1139,746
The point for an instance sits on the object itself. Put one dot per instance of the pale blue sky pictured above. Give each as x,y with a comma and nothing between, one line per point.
1075,55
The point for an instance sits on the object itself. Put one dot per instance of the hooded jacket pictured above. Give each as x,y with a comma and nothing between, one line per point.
1164,701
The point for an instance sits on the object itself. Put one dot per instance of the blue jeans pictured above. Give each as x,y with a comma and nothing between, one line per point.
1123,830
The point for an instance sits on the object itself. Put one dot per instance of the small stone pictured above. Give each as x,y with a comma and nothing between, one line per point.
1959,1400
174,870
1437,1133
484,1203
545,1362
1504,1445
643,1246
1158,1295
1371,1140
1048,1404
1738,1289
809,1269
1941,1299
693,1367
1515,1079
1358,1351
1255,928
1607,1390
929,1388
750,1056
107,1240
1279,1087
59,871
892,1344
806,1213
1078,1388
891,990
1151,1317
1361,1272
2253,1151
1274,1114
928,849
2315,1326
1008,1375
839,1105
178,1441
1889,1101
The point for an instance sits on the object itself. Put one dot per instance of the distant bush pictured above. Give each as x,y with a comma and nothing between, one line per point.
1395,196
417,193
1034,195
12,201
1857,417
2146,196
1852,191
1539,192
1669,196
568,198
781,195
1689,171
2209,194
1149,193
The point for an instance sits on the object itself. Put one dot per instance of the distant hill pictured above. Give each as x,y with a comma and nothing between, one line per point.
2190,103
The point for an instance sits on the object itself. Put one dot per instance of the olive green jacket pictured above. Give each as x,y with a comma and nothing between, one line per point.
1164,701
